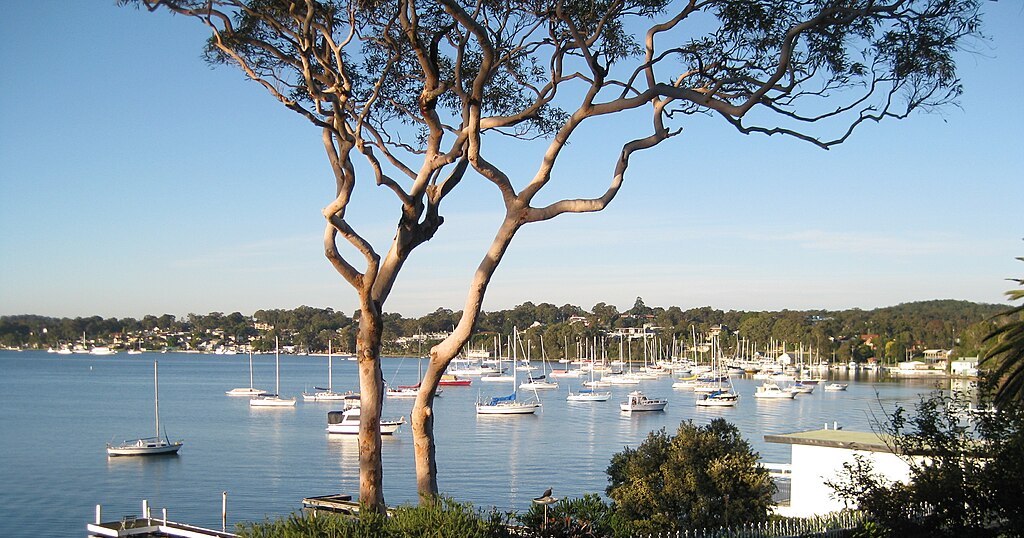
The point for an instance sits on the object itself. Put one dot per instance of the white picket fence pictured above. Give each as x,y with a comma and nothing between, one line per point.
831,526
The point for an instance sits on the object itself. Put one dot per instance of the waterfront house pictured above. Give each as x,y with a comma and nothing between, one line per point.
818,457
964,367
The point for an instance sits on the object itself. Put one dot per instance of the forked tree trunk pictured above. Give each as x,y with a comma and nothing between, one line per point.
371,392
423,433
443,353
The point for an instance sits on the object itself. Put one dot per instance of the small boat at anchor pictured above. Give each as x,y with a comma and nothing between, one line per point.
148,446
835,387
347,422
328,394
638,401
770,390
274,400
720,398
588,395
249,391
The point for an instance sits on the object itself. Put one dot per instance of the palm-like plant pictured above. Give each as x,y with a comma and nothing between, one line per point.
1006,353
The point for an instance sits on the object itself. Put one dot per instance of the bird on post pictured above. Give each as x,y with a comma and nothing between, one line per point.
544,497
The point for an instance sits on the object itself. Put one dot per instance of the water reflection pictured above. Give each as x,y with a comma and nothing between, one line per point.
269,459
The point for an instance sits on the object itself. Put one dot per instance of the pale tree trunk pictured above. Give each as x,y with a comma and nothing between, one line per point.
371,397
443,353
423,433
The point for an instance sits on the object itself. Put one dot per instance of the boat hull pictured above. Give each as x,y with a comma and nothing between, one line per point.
144,447
246,392
387,427
507,409
588,397
272,401
643,407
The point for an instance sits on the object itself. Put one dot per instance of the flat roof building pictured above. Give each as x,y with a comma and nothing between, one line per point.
818,457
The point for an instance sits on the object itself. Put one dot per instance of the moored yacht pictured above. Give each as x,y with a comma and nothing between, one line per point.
638,401
274,400
148,446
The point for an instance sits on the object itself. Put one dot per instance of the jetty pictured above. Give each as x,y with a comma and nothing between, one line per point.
147,526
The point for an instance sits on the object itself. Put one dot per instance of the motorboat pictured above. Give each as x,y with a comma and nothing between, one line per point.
148,446
835,387
274,400
772,391
347,422
638,401
249,391
800,388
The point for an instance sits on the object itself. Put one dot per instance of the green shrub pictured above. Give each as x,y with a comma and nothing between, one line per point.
445,519
584,517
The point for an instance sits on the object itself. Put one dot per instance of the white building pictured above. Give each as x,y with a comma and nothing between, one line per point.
818,457
964,367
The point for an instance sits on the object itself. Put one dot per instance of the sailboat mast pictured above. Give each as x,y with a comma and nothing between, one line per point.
277,367
330,369
250,370
156,399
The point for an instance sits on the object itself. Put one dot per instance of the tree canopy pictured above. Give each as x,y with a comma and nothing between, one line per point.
965,471
702,477
418,93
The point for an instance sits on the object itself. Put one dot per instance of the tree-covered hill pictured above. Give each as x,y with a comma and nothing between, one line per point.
887,333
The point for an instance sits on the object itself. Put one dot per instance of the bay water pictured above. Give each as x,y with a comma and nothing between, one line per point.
59,411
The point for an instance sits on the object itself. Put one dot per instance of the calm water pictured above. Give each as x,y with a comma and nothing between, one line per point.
59,411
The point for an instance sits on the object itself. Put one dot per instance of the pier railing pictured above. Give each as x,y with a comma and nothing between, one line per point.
835,525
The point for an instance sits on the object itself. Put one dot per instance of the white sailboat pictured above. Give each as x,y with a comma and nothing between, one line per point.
148,446
540,382
588,395
328,394
249,391
274,400
719,396
508,405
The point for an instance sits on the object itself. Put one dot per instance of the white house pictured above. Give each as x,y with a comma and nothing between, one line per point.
818,457
964,367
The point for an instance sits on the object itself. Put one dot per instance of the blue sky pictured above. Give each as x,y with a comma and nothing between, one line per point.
135,179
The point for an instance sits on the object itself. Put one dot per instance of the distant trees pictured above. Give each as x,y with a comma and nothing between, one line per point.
310,328
701,477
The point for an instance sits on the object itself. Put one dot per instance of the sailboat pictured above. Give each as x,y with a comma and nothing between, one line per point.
508,405
718,395
408,391
250,390
274,400
539,382
328,394
148,446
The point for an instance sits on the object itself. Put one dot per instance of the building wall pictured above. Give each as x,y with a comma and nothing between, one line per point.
814,465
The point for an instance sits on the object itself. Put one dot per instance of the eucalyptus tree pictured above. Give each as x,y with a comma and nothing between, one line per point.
421,92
